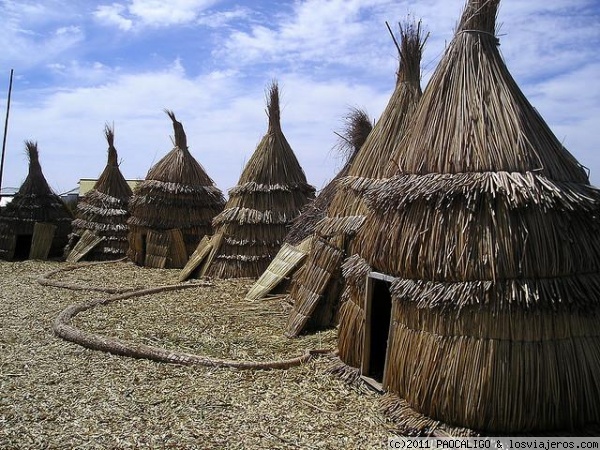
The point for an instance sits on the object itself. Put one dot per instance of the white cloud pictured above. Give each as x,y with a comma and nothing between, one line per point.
112,15
36,33
154,13
221,18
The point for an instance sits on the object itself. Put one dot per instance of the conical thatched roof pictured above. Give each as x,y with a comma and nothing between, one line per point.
356,130
177,194
270,194
316,286
34,203
104,209
491,230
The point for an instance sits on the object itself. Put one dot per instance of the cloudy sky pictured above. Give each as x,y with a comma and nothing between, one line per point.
80,64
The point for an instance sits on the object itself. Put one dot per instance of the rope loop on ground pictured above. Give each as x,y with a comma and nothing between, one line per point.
64,329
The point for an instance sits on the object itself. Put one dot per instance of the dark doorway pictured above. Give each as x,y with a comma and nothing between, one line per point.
378,314
22,247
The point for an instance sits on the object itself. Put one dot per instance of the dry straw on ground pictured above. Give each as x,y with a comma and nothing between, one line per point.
57,394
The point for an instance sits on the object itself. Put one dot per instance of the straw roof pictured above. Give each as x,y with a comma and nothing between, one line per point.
176,194
104,209
35,202
270,194
346,211
357,127
491,229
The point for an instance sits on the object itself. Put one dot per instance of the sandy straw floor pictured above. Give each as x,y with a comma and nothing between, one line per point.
56,394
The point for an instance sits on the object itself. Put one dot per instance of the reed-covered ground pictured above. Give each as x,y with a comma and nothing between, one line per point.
57,394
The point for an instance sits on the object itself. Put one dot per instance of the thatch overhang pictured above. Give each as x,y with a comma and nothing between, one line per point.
271,192
35,202
346,211
492,232
177,194
104,210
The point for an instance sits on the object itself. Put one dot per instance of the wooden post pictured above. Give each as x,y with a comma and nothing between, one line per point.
5,128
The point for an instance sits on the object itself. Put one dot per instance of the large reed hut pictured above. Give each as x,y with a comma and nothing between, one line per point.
172,209
270,194
481,258
317,285
36,224
102,213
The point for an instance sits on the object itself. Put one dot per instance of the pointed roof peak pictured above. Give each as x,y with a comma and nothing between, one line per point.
109,133
273,110
410,49
179,132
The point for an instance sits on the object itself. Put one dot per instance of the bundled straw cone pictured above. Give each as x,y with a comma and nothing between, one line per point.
177,194
104,209
491,229
317,297
34,203
270,194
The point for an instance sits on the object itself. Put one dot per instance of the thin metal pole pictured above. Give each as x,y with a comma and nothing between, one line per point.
5,127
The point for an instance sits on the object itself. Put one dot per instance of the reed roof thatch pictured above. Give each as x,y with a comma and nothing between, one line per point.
104,209
270,194
176,194
491,229
346,211
35,202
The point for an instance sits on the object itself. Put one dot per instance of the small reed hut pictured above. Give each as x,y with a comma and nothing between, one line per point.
36,224
172,209
481,257
102,213
270,194
317,285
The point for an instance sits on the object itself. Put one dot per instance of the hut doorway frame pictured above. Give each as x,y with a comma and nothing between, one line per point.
378,326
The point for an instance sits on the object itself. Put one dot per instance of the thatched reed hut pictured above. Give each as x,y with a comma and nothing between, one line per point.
488,237
36,224
173,208
102,213
317,285
271,192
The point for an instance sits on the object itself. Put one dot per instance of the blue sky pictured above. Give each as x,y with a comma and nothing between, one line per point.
80,64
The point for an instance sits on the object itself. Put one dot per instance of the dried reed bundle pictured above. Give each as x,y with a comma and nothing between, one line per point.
491,229
35,202
176,194
104,209
312,309
270,194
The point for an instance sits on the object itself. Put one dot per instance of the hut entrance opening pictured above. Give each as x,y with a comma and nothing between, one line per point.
22,246
378,314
